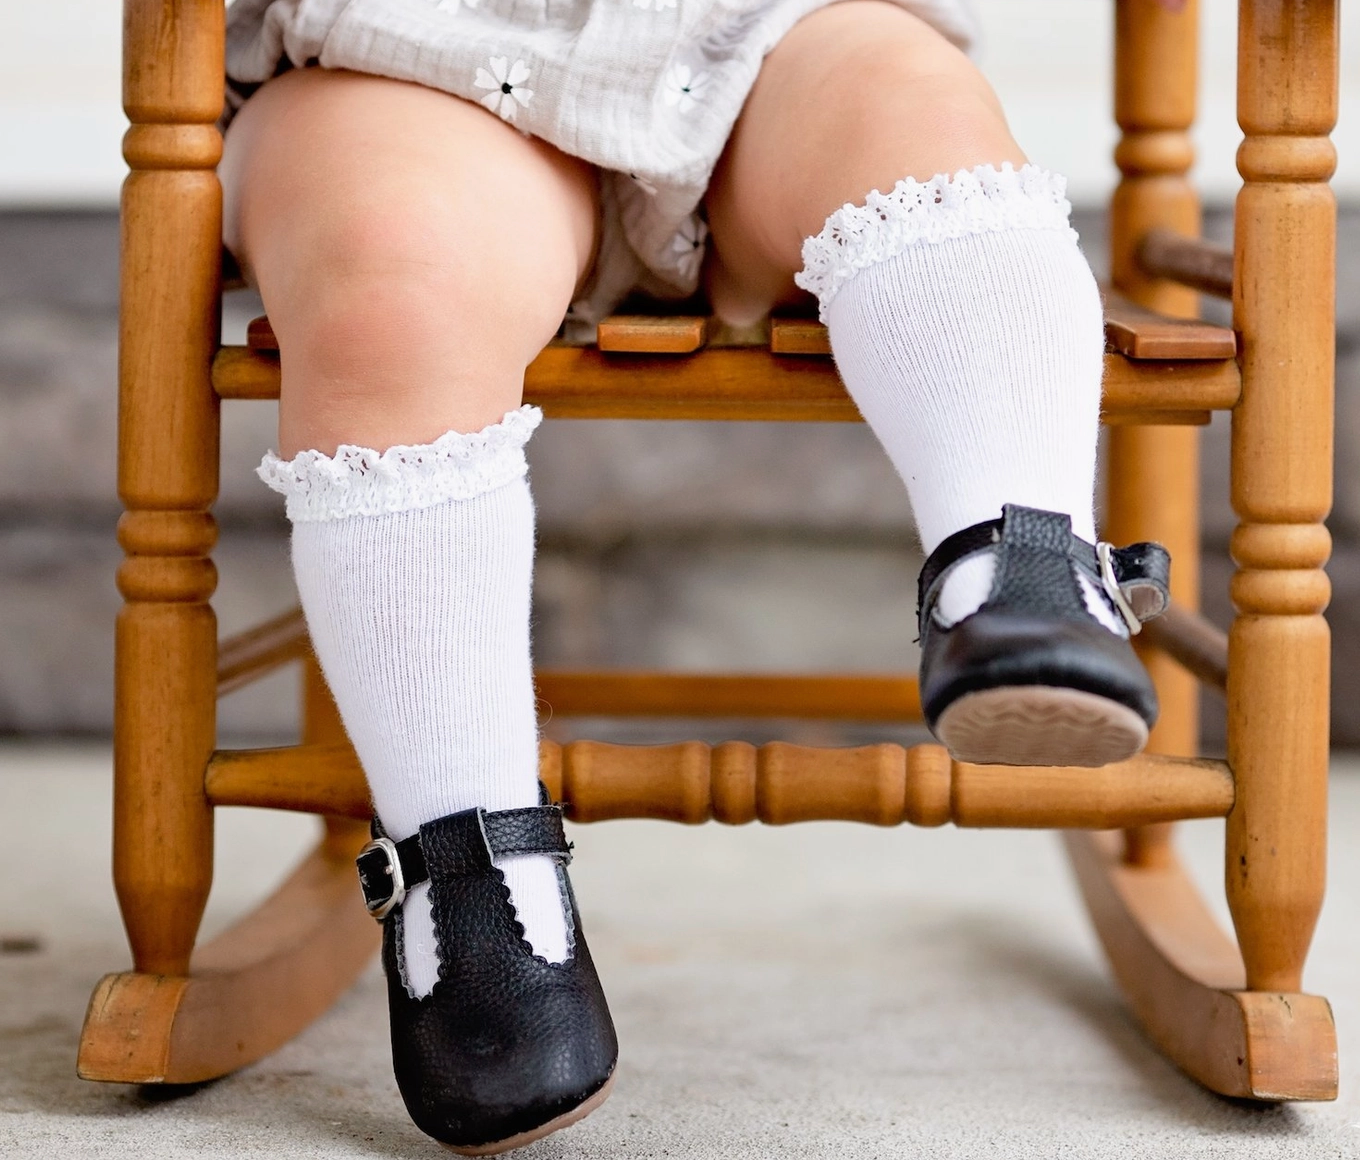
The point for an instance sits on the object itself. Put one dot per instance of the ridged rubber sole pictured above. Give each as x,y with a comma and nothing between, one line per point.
1040,725
565,1120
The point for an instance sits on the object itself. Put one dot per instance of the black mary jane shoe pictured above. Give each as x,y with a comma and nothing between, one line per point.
1031,677
507,1047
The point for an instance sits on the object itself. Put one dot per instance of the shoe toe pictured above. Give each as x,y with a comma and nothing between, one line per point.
993,649
484,1060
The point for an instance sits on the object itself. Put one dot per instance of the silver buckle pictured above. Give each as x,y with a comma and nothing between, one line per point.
1112,589
381,905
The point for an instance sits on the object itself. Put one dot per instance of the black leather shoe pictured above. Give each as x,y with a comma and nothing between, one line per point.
507,1047
1031,677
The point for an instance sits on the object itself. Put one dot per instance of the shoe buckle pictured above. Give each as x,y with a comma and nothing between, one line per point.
380,877
1108,580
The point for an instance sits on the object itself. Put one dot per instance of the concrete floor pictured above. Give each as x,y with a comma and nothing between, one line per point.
815,991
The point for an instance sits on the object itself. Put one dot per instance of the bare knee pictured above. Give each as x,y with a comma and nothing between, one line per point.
397,325
918,108
865,83
414,254
381,282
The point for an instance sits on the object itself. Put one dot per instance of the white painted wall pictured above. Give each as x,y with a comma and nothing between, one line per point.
60,122
1051,63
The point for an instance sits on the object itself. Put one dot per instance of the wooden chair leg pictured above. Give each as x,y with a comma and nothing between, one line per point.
259,983
1240,1030
1153,472
165,711
184,1015
1283,306
1153,494
1184,980
251,989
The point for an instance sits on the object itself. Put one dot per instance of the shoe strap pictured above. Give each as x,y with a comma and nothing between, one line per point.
1136,578
388,869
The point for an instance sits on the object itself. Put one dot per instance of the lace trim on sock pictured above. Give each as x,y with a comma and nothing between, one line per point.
358,481
973,201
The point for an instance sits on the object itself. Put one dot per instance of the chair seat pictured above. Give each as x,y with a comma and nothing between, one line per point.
1157,370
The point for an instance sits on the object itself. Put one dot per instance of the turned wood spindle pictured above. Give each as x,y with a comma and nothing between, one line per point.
165,681
779,784
1283,310
1153,472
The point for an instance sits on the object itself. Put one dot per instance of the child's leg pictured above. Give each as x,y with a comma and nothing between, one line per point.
887,97
414,254
963,318
857,96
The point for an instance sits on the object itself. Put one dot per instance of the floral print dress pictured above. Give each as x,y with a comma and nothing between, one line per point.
648,90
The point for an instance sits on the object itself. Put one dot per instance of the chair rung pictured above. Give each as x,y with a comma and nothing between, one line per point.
258,651
1192,262
850,697
1194,642
575,382
776,783
1188,637
252,654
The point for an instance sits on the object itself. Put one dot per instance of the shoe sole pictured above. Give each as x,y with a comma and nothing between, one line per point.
579,1112
1040,725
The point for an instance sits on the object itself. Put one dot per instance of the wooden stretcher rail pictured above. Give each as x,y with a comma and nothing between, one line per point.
1192,262
250,655
736,782
1198,645
736,383
841,697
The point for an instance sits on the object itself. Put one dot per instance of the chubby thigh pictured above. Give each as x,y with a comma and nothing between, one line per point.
857,96
414,253
647,90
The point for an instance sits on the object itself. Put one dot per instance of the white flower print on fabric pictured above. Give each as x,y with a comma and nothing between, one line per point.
506,83
683,87
454,5
656,4
688,246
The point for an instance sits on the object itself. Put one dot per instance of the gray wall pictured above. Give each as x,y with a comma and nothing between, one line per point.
673,545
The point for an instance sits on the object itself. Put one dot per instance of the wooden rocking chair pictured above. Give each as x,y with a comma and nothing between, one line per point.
1230,1014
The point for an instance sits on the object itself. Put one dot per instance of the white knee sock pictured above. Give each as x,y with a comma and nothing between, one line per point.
414,569
968,329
